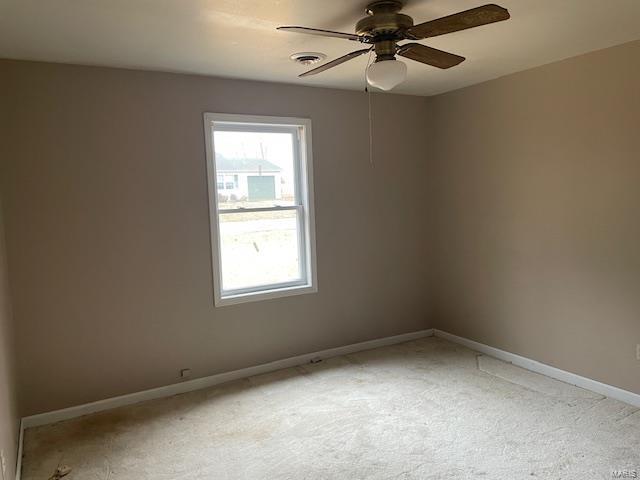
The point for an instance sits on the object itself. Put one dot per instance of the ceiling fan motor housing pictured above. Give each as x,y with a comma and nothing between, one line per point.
385,25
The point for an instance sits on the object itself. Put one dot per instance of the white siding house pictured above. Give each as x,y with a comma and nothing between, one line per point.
251,179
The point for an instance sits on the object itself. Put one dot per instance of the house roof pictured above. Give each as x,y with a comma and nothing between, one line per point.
224,164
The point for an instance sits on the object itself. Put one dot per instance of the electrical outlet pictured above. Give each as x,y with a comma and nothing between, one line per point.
185,373
638,352
3,461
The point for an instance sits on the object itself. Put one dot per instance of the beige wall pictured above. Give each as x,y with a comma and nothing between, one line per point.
108,236
8,402
536,188
522,212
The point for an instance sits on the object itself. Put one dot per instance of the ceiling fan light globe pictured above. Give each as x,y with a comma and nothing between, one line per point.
386,74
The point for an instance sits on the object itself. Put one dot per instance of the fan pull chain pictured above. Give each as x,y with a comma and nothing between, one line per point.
368,92
370,129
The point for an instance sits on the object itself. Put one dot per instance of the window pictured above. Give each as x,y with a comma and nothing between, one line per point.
261,204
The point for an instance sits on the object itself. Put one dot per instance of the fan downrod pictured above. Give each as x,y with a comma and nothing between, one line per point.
383,6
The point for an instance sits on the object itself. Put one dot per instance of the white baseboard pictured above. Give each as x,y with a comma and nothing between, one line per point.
200,383
553,372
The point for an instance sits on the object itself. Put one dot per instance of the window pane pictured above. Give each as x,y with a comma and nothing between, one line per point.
258,168
259,248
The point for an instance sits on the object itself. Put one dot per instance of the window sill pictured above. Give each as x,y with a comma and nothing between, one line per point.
264,295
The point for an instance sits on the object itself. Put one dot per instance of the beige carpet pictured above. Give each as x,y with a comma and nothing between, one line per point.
426,409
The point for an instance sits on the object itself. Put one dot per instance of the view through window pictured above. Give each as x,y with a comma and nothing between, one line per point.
263,235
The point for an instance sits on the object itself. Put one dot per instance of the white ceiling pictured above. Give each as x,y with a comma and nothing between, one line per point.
238,38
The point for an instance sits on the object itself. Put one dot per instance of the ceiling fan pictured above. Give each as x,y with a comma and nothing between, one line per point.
384,27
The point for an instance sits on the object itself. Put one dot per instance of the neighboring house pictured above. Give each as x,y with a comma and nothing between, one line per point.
248,179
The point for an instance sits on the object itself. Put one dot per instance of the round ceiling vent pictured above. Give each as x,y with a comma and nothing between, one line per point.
308,58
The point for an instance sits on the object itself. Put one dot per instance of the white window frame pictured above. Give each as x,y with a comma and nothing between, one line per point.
303,173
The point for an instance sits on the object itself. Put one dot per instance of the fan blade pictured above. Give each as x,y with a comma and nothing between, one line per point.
336,62
430,56
460,21
322,33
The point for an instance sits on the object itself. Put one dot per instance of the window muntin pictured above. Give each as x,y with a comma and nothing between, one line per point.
262,222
